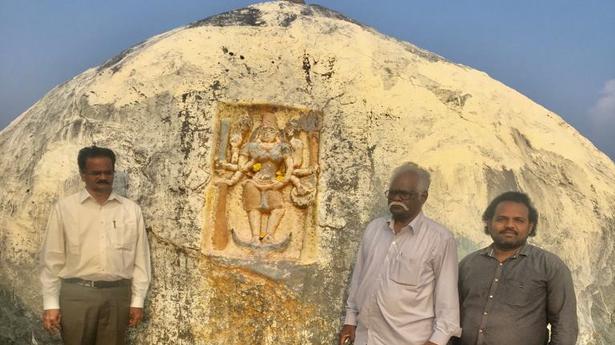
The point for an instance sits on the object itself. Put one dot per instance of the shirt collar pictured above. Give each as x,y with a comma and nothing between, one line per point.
412,226
84,195
525,250
489,251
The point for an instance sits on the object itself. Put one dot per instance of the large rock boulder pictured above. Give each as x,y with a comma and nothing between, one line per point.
180,108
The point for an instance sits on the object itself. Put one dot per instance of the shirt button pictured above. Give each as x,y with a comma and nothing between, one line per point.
490,296
497,280
501,264
485,313
480,331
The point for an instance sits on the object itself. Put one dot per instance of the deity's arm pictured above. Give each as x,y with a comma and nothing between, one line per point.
288,161
281,181
289,167
227,166
246,164
302,172
243,167
234,154
234,179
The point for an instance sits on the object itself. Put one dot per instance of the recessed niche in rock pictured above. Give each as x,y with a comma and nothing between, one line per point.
261,202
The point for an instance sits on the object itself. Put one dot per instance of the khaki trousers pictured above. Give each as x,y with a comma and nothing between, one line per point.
94,316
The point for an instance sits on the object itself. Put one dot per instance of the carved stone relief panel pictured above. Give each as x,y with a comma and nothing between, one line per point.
260,203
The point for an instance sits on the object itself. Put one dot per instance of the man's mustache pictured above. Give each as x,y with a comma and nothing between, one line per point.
509,230
103,182
397,203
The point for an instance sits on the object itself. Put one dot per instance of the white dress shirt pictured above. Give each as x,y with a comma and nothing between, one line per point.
95,242
404,286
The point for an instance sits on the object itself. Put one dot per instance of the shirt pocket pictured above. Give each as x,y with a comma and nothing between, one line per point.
125,234
405,270
516,292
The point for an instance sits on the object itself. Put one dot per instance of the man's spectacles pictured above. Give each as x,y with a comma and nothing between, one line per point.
400,194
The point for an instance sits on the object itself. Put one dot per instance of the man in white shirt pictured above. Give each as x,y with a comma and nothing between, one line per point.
404,284
95,259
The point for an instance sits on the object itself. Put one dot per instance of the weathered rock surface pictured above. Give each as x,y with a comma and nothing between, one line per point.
383,102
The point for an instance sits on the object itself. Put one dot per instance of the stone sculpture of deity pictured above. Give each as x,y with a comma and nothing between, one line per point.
267,165
272,167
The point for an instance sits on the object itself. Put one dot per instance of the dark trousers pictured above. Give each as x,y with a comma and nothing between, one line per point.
94,316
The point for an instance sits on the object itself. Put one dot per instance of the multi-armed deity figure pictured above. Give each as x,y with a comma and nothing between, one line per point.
266,163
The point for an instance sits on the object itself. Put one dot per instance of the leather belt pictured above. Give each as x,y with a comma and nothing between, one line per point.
97,284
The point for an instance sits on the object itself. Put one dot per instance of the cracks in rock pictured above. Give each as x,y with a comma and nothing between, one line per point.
307,68
196,253
138,92
185,134
189,121
370,156
330,99
201,185
331,227
348,103
309,63
189,251
331,66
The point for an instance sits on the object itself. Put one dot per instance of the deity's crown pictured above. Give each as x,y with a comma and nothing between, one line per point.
269,120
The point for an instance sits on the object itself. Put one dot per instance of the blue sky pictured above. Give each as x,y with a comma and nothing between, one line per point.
560,53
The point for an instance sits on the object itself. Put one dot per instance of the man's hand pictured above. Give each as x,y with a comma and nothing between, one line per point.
347,334
136,315
430,343
51,320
